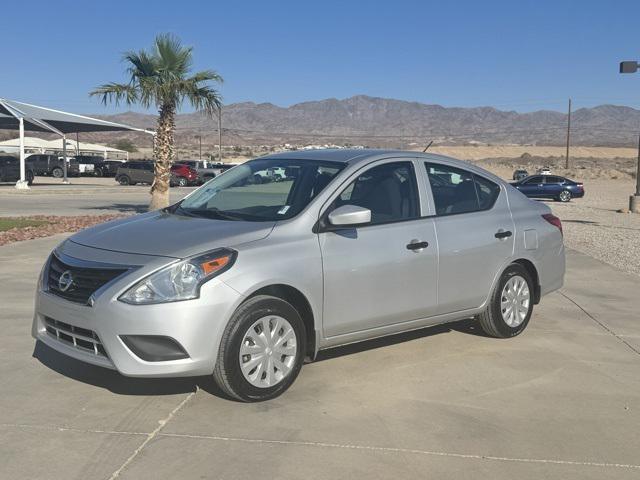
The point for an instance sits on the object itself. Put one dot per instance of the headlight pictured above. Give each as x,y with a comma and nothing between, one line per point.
181,280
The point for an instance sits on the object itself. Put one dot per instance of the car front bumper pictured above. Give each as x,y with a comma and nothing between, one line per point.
195,325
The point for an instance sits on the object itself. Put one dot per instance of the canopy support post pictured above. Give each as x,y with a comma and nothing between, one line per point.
65,180
22,183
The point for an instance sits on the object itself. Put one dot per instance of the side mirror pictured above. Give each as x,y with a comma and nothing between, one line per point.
349,215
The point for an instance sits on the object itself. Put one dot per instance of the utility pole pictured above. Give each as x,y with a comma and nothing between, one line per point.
199,137
220,133
566,161
634,200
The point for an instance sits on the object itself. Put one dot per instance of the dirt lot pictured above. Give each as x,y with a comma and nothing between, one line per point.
479,152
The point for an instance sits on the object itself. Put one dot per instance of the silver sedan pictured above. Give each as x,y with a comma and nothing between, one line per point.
250,274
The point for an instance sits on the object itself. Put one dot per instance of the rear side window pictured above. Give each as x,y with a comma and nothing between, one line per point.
553,179
487,192
459,191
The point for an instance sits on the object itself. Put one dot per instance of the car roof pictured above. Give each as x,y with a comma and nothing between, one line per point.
346,155
353,156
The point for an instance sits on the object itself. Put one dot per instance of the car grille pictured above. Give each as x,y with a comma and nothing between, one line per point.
85,281
80,338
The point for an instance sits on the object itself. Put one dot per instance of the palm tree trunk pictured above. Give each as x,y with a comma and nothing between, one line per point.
163,156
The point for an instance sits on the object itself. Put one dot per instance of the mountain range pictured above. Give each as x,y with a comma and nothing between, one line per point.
384,122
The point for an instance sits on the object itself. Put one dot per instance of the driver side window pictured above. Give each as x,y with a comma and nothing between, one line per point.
388,190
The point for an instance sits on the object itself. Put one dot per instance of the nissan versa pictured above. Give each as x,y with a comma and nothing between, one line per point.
246,277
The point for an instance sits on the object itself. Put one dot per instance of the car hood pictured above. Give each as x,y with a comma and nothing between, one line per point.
164,234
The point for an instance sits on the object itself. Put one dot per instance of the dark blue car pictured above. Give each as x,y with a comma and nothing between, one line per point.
550,186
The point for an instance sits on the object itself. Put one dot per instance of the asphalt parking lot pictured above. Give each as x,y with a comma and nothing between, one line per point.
560,401
84,196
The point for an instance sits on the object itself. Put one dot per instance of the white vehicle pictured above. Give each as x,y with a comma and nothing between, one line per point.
544,171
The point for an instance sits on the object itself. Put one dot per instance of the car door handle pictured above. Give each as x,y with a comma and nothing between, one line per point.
503,234
416,245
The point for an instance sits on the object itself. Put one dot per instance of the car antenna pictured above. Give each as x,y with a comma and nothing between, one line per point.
427,147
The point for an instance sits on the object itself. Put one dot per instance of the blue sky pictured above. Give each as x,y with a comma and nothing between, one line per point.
514,55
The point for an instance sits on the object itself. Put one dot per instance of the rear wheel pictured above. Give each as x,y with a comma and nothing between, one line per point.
98,172
510,305
565,196
57,172
261,351
124,180
182,182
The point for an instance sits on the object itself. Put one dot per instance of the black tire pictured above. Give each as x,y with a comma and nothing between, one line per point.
565,196
98,172
257,179
29,177
124,180
227,373
491,320
182,182
57,172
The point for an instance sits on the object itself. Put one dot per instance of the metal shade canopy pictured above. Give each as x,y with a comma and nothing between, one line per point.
23,116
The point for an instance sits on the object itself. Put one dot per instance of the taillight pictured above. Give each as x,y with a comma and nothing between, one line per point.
553,220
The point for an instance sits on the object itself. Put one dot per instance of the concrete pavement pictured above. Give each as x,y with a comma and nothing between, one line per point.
560,401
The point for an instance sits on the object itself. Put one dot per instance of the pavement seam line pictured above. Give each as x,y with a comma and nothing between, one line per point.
53,428
152,435
322,445
602,325
402,450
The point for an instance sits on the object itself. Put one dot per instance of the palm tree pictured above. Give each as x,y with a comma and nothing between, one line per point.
161,77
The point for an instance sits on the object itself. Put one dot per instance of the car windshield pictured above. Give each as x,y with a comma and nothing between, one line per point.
260,190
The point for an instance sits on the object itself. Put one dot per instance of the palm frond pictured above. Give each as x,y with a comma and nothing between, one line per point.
201,96
116,92
206,76
173,59
142,64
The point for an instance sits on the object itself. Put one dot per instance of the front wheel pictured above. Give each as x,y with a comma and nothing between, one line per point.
182,182
261,351
510,305
29,177
565,196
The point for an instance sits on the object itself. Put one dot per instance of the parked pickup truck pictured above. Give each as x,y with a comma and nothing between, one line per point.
97,166
10,170
206,169
43,164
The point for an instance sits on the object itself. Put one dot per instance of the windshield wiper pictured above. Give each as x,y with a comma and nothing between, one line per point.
209,213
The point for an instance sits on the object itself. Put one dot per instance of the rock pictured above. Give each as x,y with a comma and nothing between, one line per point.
623,210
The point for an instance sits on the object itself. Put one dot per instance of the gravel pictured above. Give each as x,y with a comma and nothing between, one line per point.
592,226
55,224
